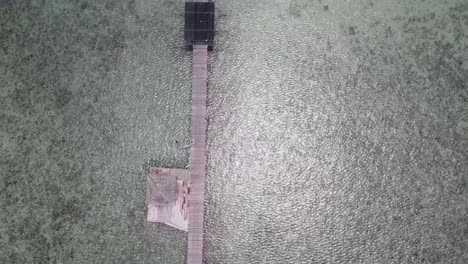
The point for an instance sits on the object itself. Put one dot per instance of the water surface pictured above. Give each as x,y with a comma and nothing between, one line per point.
337,131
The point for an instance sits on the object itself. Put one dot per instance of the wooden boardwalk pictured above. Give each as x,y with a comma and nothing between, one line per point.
176,196
197,155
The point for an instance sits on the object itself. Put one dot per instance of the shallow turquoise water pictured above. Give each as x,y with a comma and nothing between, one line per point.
92,94
338,131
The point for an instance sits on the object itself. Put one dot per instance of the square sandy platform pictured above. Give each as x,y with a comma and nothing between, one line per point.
167,197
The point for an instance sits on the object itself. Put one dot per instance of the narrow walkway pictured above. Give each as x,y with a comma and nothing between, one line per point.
198,154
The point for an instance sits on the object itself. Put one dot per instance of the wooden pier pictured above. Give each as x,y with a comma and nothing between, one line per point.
176,196
197,155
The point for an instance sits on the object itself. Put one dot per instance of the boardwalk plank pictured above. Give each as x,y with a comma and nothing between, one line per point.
198,155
